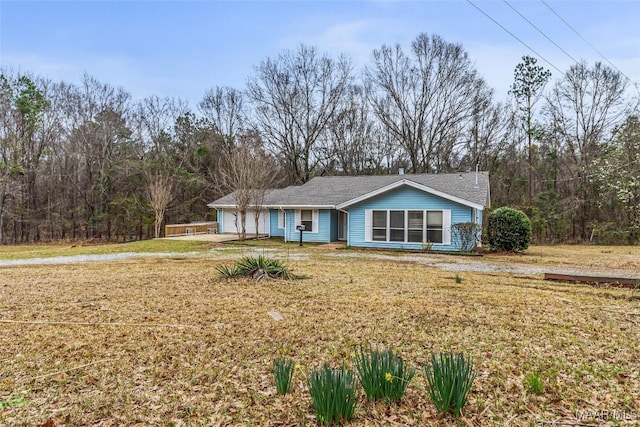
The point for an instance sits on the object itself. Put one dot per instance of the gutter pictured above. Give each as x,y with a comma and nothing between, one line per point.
284,214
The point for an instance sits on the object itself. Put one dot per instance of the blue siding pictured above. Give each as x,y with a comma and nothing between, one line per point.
220,216
403,198
273,223
324,227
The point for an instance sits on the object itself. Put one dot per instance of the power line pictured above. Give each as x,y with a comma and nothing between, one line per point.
514,36
583,39
539,30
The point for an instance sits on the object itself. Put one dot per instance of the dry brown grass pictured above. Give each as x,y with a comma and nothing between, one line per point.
579,256
205,356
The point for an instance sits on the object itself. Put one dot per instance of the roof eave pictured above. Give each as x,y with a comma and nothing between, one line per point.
307,206
272,206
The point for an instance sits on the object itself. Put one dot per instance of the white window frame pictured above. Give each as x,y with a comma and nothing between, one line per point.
446,226
423,228
386,226
281,219
314,219
404,226
427,228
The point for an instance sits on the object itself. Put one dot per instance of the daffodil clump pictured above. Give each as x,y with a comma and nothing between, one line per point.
449,379
283,372
383,374
333,394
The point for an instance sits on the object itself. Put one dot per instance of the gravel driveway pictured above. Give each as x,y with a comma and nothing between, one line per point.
481,265
443,262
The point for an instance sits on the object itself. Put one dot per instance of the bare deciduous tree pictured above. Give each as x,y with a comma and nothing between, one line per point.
224,108
425,100
235,177
249,173
154,120
295,97
348,149
264,177
583,108
159,195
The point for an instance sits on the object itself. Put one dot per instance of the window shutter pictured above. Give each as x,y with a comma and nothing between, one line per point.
316,219
297,218
446,227
368,220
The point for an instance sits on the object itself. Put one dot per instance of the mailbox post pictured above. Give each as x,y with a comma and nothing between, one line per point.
300,228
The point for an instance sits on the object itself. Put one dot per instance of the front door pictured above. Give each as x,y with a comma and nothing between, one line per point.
343,221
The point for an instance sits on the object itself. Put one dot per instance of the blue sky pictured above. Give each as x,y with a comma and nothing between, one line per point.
182,48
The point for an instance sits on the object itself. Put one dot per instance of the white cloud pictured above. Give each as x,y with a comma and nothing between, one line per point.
38,65
116,70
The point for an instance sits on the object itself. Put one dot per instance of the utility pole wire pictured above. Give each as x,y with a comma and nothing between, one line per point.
514,36
583,39
540,31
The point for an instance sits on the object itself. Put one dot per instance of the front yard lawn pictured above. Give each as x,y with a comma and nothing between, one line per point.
160,341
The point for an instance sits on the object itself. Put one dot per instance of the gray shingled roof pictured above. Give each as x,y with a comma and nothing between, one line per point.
334,190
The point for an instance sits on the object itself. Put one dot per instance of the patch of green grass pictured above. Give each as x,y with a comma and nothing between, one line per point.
533,383
13,401
54,250
458,279
269,243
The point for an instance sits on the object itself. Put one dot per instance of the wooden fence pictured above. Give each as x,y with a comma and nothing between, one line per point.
171,230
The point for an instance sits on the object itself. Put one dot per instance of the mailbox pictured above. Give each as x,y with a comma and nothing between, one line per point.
300,228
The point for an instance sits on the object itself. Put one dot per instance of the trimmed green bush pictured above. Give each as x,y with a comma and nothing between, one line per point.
333,394
383,374
508,230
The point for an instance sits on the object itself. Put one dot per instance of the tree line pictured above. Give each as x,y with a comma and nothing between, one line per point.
86,161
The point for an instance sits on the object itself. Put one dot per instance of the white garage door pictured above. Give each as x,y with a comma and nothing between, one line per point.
229,222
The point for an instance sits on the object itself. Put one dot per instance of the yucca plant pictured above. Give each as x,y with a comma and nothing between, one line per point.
258,268
283,373
333,394
228,271
383,374
449,379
